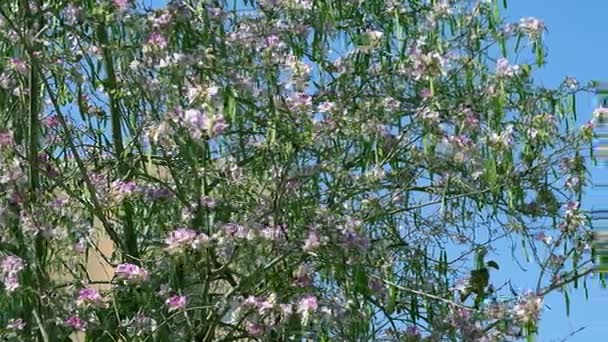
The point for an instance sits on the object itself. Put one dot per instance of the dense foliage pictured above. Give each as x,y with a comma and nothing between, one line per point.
282,169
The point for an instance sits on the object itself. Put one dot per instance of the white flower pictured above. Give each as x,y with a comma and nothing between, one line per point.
531,26
504,69
528,308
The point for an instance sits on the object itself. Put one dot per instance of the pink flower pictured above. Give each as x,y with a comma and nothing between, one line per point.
18,65
176,303
528,308
531,26
308,304
183,238
131,273
121,4
504,69
263,306
75,323
156,39
89,296
571,207
272,41
163,20
255,329
10,267
196,122
123,189
219,126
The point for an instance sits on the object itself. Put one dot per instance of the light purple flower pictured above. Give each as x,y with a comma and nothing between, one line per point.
197,122
571,206
528,308
123,189
75,323
122,4
300,101
88,296
308,304
11,264
255,329
131,273
183,238
10,267
273,40
531,26
219,126
176,302
163,20
18,65
504,69
326,107
156,39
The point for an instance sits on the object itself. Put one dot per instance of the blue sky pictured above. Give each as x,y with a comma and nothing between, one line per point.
577,47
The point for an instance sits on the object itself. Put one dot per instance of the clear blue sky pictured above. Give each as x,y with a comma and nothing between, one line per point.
577,47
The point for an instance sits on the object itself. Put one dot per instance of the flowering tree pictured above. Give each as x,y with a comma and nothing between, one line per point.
273,170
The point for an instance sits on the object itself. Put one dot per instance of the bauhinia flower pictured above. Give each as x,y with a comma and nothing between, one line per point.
176,302
532,26
307,306
183,238
89,296
75,323
131,273
10,267
528,308
504,69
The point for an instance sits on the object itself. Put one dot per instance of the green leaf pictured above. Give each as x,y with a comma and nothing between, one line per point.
567,298
538,49
491,176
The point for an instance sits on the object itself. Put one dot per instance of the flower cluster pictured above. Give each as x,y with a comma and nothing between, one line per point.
131,273
10,267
